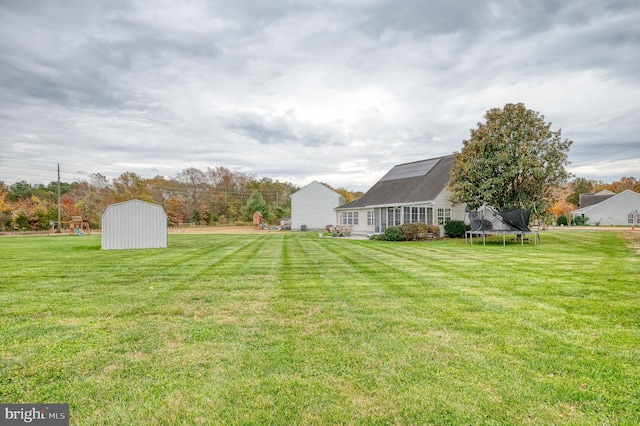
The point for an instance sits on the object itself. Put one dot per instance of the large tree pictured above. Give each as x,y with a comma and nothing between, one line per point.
577,187
513,159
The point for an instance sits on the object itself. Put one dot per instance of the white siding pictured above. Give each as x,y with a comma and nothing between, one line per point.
442,201
313,206
134,224
361,227
613,211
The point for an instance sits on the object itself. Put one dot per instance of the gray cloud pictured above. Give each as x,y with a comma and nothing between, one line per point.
283,129
336,91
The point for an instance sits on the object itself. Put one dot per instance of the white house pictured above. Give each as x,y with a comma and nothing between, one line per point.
620,209
408,193
312,207
134,224
587,200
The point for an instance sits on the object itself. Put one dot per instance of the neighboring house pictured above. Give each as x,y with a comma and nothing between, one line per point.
134,224
408,193
587,200
618,209
312,207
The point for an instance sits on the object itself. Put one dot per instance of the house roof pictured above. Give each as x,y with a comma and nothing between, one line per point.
626,194
587,200
407,183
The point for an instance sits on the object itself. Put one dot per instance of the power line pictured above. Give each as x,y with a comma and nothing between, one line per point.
37,161
47,173
28,159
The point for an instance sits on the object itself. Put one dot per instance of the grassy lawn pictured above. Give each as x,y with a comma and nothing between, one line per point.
289,328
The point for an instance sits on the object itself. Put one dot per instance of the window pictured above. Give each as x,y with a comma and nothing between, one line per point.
370,219
350,218
394,216
631,218
415,214
444,215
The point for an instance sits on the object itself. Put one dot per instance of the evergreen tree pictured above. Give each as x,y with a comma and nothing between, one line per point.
255,203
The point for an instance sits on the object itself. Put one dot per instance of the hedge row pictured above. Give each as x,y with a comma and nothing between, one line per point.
409,232
421,231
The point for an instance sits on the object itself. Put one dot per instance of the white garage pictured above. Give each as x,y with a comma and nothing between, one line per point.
312,207
134,224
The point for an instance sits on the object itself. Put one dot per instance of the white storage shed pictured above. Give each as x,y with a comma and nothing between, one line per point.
134,224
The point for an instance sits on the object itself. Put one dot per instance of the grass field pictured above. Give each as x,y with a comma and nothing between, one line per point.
290,328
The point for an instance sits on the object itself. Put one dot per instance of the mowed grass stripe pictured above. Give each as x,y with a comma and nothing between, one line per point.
364,318
487,300
286,328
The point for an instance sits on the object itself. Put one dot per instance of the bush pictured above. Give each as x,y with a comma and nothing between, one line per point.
579,221
562,220
393,233
433,231
455,228
410,231
422,229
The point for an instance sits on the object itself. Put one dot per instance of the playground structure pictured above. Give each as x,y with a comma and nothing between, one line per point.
259,223
78,226
257,220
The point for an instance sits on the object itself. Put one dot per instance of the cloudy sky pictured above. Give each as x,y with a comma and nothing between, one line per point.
337,91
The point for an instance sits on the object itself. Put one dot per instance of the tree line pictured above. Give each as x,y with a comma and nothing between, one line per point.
214,196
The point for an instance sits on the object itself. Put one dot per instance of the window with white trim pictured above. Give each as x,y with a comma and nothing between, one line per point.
418,214
394,216
370,218
444,215
350,218
415,214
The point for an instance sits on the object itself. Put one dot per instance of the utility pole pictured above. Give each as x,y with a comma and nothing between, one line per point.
59,224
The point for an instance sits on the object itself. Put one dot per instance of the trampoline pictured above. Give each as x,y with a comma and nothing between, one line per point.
488,221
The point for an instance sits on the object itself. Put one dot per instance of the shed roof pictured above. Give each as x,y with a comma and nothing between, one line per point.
111,207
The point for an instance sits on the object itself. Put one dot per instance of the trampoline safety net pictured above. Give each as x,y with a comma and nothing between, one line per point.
489,219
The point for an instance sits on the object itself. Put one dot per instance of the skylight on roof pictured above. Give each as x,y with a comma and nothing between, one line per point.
408,170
